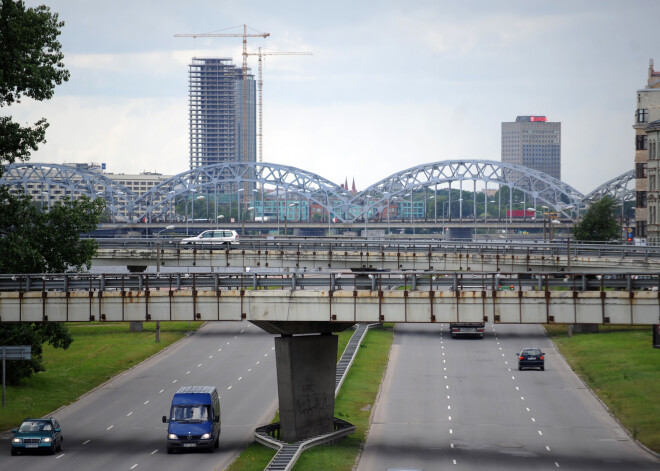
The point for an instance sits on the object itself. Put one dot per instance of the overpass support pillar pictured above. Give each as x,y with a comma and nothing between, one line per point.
306,369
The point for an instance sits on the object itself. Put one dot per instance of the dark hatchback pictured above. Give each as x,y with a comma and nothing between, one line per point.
37,435
531,358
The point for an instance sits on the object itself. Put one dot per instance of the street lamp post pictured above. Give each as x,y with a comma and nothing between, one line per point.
167,228
286,217
243,219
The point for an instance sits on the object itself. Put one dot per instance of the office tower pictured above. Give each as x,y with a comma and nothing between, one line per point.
648,111
533,142
217,121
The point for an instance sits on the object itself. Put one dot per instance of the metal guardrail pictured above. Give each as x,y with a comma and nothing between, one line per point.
496,246
374,281
288,453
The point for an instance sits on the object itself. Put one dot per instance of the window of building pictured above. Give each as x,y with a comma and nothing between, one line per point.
652,214
642,115
641,228
652,183
640,170
641,199
640,142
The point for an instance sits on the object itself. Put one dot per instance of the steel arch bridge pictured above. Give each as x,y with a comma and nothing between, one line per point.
253,182
59,181
621,188
238,178
539,186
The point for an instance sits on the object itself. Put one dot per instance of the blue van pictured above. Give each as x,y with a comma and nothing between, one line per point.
194,420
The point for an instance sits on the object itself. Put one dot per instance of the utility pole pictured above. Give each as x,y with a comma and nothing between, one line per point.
260,86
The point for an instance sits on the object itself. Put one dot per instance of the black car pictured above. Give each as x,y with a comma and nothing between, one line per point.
531,358
37,435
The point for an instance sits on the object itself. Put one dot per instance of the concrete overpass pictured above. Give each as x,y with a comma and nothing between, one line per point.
335,254
322,305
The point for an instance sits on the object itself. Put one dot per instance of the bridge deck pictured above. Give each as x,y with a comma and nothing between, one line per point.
520,307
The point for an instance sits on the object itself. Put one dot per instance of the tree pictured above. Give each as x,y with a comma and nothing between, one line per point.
30,65
599,223
33,241
35,335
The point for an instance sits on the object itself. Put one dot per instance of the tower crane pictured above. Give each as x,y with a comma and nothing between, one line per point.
243,35
260,85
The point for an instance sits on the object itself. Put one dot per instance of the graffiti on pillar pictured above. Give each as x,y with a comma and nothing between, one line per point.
312,402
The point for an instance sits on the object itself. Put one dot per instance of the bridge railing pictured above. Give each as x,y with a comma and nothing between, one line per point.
374,281
338,245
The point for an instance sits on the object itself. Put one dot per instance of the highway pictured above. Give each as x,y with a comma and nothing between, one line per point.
462,404
118,426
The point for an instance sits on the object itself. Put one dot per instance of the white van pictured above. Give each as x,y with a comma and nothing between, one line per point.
214,236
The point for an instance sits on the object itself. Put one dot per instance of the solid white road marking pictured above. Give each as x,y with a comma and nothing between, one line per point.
86,442
153,452
109,427
129,414
60,456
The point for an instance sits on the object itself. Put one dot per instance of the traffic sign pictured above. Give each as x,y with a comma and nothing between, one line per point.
16,352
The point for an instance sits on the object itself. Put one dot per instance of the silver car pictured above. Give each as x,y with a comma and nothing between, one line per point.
214,236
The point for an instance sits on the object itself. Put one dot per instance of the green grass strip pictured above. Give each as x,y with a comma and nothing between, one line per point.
621,366
354,403
98,353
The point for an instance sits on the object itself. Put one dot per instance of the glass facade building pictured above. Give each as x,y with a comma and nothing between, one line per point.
217,94
533,142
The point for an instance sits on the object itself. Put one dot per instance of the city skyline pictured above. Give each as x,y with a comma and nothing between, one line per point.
389,87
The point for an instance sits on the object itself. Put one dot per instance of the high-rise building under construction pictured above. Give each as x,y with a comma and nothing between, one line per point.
220,132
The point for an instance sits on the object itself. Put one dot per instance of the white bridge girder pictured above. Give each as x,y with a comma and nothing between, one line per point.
517,307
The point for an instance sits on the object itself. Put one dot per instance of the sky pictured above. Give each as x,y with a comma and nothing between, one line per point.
390,84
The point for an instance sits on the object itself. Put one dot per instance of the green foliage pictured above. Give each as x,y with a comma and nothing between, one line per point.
30,65
55,334
46,242
599,223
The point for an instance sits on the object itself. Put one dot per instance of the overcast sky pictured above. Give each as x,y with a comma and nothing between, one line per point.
390,84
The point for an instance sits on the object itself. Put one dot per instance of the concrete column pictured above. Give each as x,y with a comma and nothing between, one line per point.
306,368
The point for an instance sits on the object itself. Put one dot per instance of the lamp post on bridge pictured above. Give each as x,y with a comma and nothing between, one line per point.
167,228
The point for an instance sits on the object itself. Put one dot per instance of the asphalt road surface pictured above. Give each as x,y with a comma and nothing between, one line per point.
118,426
462,404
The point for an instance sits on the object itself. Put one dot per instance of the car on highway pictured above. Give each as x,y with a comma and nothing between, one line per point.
37,435
531,357
214,236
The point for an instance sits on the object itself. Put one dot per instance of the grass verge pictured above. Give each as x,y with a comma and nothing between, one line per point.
620,365
98,352
354,403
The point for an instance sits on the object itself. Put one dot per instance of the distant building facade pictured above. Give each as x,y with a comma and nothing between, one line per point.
217,122
533,142
648,111
653,180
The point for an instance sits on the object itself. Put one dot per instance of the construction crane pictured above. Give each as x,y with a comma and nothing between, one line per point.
260,85
243,35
